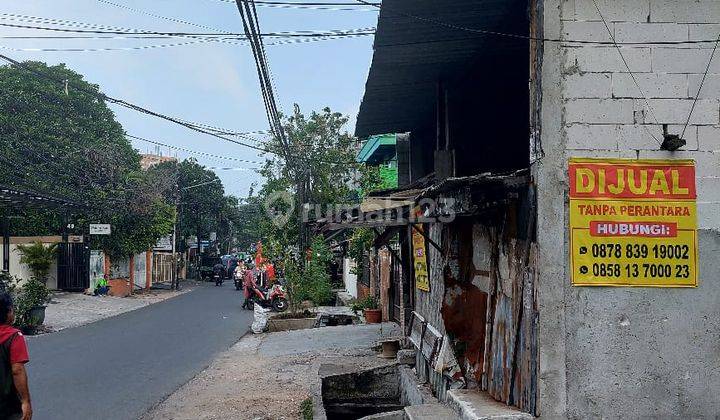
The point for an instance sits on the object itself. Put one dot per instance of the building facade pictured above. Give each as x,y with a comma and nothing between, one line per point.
501,100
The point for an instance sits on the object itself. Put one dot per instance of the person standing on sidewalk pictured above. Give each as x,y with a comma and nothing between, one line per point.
14,393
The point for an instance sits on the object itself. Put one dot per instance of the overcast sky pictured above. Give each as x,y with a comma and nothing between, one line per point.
212,83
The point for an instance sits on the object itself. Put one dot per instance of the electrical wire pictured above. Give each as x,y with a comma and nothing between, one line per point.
632,75
521,36
194,152
142,47
296,34
702,82
337,6
137,108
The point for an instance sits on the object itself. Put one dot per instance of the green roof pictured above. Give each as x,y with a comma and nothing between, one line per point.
378,149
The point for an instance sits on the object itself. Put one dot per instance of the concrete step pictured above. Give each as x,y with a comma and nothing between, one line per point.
477,405
429,412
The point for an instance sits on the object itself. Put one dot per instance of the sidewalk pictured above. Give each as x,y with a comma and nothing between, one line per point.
268,376
67,310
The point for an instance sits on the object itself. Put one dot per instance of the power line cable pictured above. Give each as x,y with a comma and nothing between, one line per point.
296,34
195,152
438,22
137,108
632,75
702,82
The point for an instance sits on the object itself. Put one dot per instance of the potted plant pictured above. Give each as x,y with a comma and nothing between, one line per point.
39,258
30,303
371,312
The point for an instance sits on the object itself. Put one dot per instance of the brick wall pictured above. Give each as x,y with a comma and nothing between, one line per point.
606,114
604,109
627,352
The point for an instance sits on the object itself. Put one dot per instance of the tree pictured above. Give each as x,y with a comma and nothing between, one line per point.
61,140
200,196
319,160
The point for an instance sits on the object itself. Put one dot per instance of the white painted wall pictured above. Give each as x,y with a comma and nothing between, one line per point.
21,270
350,279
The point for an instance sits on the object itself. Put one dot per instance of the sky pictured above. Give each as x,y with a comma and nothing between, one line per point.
210,82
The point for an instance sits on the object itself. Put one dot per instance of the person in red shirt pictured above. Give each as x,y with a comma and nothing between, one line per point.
14,392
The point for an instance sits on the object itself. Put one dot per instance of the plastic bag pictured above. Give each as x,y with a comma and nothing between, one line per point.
260,323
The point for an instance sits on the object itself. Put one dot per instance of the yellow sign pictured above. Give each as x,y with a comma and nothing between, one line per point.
422,279
633,223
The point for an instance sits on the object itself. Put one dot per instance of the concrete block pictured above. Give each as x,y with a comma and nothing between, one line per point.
607,59
599,111
710,89
640,137
709,138
614,10
586,31
708,215
567,8
406,357
708,189
471,404
695,11
676,111
651,32
588,85
704,32
652,85
707,164
429,412
390,415
683,60
592,137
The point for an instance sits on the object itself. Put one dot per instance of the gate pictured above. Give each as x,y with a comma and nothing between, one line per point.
162,267
73,266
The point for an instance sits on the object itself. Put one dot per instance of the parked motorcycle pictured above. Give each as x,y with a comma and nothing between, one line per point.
274,298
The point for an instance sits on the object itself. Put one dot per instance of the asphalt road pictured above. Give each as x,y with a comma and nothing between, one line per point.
120,367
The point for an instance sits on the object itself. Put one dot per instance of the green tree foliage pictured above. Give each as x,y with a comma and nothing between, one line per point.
203,206
61,141
311,281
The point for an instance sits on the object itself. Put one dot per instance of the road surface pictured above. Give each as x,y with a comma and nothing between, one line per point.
120,367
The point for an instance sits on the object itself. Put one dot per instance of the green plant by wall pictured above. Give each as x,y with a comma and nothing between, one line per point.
311,282
32,294
306,409
38,258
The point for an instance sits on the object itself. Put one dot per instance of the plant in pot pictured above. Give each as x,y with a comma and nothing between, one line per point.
371,312
30,303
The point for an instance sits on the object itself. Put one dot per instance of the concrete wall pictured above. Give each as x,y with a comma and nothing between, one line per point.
622,352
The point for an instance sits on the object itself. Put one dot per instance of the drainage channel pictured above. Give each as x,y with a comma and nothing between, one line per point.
354,395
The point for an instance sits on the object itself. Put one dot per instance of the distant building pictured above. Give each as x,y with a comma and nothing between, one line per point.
381,151
147,161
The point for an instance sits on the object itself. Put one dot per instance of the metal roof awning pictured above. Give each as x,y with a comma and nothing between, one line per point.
15,199
418,43
390,208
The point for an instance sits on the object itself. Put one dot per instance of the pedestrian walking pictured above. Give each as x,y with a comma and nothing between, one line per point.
14,393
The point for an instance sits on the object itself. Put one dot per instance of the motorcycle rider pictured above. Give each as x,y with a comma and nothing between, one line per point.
249,285
218,270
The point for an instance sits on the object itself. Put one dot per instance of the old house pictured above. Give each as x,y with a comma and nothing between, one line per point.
508,288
